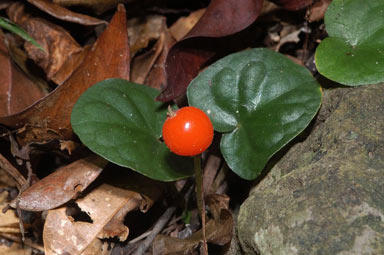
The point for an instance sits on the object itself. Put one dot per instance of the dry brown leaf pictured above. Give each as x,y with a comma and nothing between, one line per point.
20,58
218,230
63,235
61,186
183,25
62,13
9,223
14,249
142,64
143,30
70,65
16,90
156,77
49,118
57,43
99,6
98,247
317,10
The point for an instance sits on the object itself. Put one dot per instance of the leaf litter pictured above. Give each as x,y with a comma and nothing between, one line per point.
82,203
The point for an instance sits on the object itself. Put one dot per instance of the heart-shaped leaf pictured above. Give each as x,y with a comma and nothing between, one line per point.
354,53
120,121
261,100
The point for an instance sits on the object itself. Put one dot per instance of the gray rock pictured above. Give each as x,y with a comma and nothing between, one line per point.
326,194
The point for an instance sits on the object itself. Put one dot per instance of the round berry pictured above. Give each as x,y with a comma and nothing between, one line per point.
188,131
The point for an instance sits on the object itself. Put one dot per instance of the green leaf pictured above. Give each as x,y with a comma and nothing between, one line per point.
120,121
16,29
261,100
354,53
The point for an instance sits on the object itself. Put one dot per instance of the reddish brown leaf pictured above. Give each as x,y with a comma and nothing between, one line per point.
293,5
222,18
62,185
58,43
50,117
16,91
62,13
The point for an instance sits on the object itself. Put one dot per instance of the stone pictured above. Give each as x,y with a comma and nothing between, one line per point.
326,194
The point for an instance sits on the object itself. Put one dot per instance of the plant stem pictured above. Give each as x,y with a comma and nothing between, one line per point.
200,198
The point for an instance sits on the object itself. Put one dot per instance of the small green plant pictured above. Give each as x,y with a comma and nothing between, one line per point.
258,99
353,54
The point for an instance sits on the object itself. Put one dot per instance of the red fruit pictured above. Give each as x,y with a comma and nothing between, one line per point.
188,131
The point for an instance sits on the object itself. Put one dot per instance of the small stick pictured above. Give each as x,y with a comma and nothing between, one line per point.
156,230
200,199
18,240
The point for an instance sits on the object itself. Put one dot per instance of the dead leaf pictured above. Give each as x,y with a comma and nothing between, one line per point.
5,3
9,223
183,25
142,64
143,30
16,90
291,36
61,186
98,247
186,57
57,43
20,58
70,65
62,13
218,230
293,5
49,118
14,249
98,6
317,11
63,235
156,77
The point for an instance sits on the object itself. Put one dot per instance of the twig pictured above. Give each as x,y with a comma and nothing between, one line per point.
21,182
200,199
18,240
156,230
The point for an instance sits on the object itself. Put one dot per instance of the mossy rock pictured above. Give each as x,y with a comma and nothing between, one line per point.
326,195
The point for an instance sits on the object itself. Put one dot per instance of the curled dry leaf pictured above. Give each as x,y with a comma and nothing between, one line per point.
317,11
218,230
142,64
61,186
57,42
49,118
62,13
143,30
186,57
70,65
16,91
293,5
98,6
156,77
63,235
183,25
